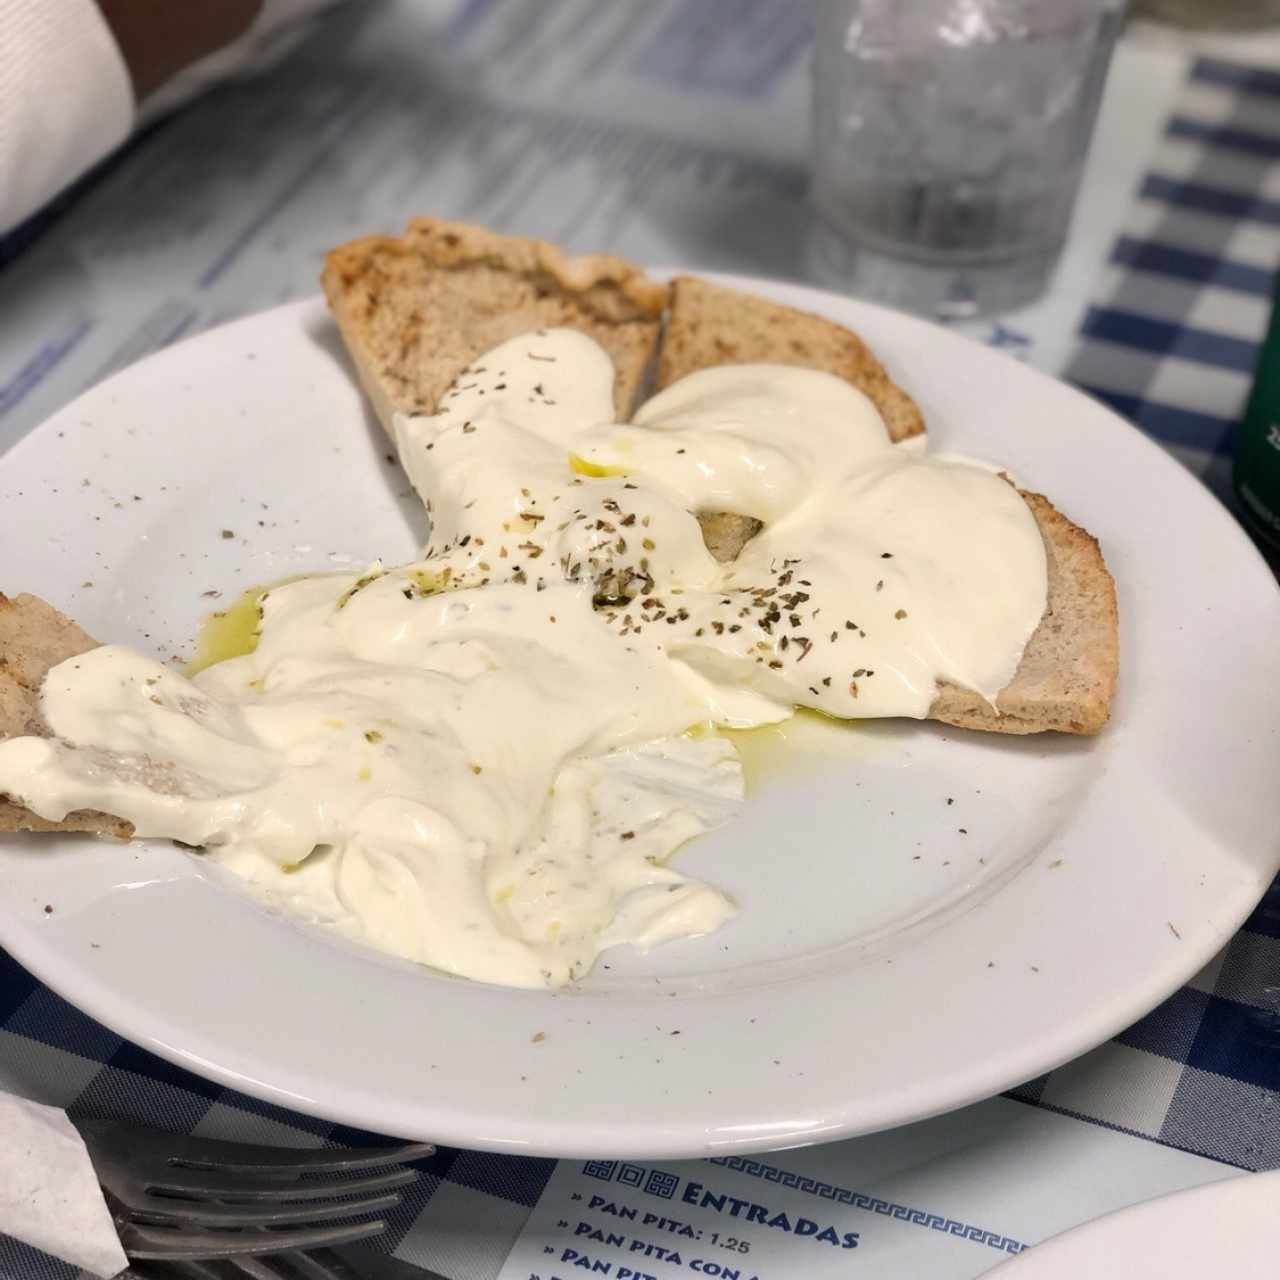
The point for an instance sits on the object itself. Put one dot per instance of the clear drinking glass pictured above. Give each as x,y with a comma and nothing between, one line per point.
949,136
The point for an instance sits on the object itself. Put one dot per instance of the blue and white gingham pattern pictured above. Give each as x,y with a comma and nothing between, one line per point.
1172,339
1202,1071
1171,344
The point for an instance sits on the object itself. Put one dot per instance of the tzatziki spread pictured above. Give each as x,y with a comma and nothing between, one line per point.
482,761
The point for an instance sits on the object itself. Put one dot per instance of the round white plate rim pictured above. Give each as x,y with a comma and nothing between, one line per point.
479,1124
1189,1229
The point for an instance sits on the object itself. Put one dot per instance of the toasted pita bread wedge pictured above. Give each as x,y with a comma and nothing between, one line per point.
709,324
34,636
416,310
1067,675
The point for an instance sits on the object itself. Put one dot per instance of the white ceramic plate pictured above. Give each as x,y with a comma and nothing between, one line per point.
927,916
1229,1228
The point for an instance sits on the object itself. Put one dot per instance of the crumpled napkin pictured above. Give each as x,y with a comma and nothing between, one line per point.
49,1194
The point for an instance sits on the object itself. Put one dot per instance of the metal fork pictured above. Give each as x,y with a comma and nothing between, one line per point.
174,1197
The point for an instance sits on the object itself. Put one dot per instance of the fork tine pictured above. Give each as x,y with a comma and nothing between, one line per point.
320,1266
164,1211
256,1269
323,1265
242,1158
192,1269
205,1183
144,1241
110,1138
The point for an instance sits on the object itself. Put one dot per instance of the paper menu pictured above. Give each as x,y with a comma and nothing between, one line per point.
948,1198
647,1222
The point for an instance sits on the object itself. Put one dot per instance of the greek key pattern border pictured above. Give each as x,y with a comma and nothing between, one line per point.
871,1204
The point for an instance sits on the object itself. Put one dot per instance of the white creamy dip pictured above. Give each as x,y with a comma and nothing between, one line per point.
481,761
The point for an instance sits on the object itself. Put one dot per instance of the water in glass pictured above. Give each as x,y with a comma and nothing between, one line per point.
949,141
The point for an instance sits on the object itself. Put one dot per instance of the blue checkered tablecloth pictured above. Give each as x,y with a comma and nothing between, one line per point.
1170,343
1172,339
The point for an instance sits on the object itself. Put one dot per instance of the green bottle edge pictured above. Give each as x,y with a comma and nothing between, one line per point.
1255,471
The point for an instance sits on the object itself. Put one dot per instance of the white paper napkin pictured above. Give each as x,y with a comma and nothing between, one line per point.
49,1195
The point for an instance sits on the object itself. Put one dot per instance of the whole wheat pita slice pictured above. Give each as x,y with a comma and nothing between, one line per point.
414,311
711,324
1067,675
34,637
